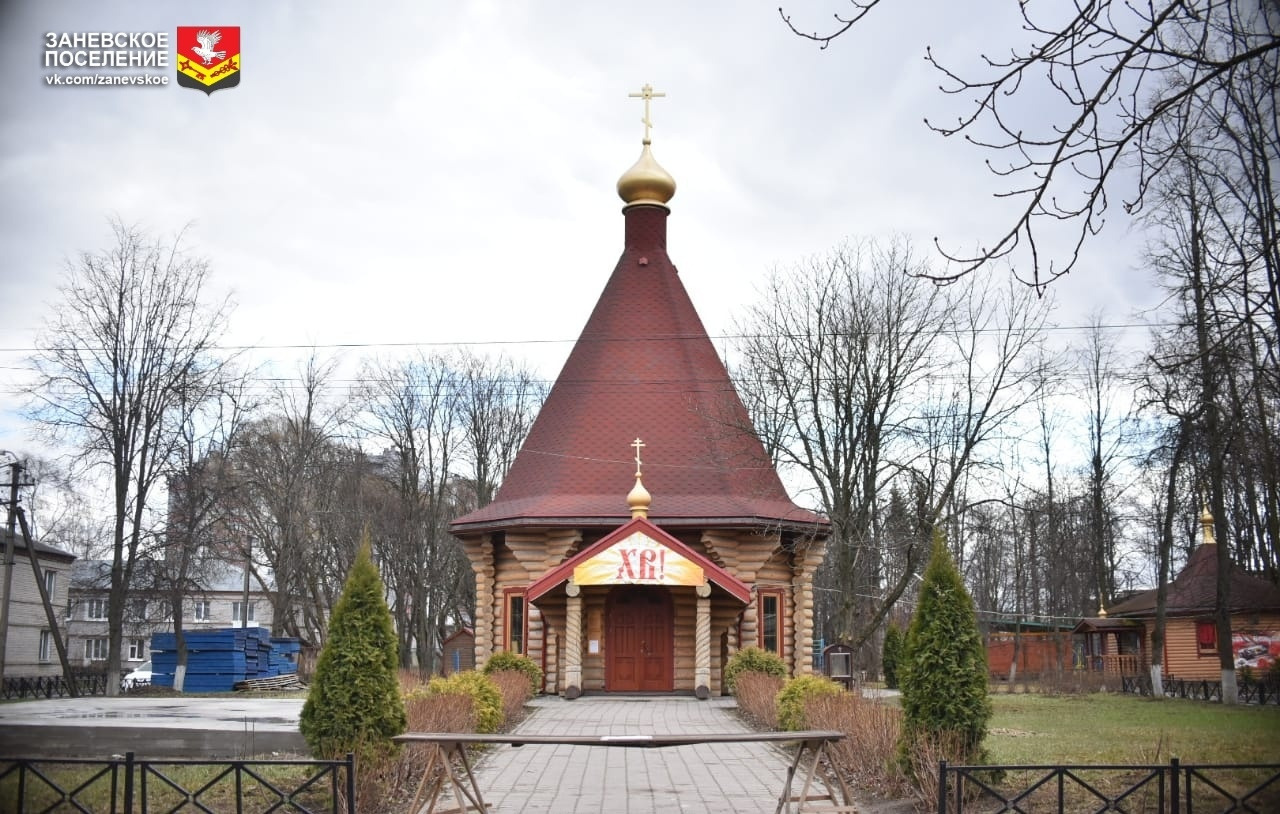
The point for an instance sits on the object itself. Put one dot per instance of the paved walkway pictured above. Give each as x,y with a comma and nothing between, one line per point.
738,777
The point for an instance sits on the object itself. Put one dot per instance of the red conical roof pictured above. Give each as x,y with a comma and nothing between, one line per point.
642,368
1195,590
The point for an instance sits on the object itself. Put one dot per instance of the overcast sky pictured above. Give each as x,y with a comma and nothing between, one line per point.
425,172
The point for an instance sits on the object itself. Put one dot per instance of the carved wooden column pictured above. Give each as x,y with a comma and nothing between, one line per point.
480,552
702,644
551,677
805,565
573,642
748,632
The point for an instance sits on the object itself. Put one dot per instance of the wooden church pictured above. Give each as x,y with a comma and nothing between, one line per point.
642,535
1119,639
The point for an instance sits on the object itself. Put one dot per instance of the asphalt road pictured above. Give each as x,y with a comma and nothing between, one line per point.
194,727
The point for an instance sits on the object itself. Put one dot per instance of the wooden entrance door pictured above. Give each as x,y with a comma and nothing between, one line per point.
639,640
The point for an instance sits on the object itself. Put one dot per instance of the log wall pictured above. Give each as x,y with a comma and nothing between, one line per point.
518,558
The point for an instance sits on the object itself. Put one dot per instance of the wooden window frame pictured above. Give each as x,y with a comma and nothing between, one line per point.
45,647
96,649
137,649
779,596
95,610
507,595
1206,646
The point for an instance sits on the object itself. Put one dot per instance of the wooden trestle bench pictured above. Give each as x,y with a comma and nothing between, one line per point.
466,792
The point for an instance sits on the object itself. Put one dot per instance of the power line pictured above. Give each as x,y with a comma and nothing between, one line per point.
1029,617
1120,326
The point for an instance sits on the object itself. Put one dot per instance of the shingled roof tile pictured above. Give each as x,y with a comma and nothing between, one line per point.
643,367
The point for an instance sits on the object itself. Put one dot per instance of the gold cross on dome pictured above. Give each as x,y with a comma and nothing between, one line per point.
637,444
647,93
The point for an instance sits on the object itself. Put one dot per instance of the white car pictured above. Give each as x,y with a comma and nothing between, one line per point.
140,677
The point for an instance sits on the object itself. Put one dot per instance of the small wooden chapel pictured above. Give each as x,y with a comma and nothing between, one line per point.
642,534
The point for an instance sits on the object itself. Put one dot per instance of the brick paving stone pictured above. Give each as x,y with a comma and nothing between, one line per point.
721,777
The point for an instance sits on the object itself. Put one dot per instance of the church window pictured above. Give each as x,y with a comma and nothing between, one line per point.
515,623
770,627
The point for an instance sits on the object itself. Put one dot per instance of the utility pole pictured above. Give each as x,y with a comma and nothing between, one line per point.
15,473
46,600
244,606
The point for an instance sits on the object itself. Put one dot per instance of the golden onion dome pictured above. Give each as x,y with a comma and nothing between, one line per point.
646,182
1206,526
638,499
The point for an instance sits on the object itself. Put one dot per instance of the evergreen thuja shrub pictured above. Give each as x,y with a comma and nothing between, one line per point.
891,655
795,694
943,667
753,660
354,704
506,660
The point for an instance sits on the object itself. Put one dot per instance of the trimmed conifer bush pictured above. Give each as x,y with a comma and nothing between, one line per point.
943,669
354,704
753,660
506,660
796,693
891,654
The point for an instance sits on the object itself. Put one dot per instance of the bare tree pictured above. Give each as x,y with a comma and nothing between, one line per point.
129,343
830,357
199,546
61,510
1130,79
990,334
450,427
499,400
295,498
1043,512
1204,368
1108,434
412,407
862,375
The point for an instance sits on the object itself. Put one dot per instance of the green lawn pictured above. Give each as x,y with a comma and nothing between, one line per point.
1102,728
1126,730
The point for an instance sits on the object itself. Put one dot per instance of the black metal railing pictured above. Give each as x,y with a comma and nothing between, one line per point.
1248,690
1172,788
131,786
19,687
1262,692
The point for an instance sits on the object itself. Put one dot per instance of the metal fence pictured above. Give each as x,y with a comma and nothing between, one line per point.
1248,690
18,687
130,786
1172,788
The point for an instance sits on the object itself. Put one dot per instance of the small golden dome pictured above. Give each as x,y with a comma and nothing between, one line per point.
638,499
646,182
1206,526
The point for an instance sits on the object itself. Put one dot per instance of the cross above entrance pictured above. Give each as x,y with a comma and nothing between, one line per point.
647,93
637,444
